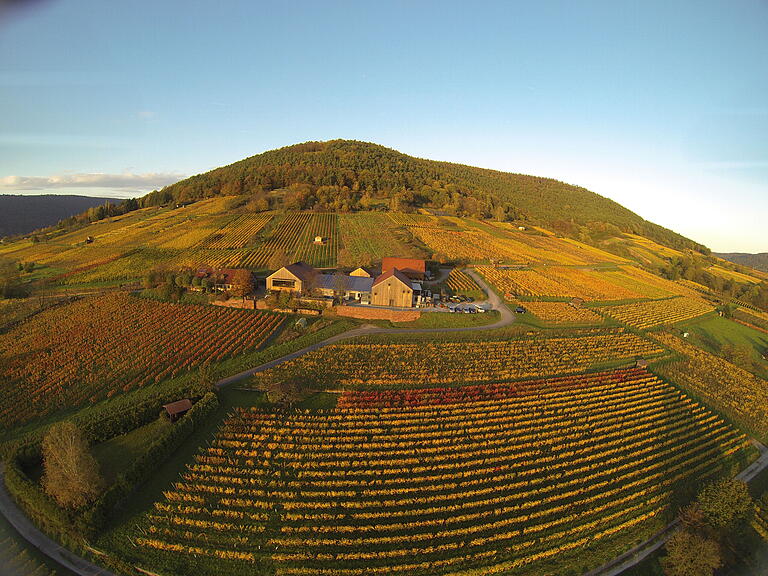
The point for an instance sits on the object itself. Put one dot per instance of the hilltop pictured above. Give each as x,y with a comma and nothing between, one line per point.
346,175
22,214
756,261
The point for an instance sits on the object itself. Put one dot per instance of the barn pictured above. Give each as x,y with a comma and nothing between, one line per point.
392,288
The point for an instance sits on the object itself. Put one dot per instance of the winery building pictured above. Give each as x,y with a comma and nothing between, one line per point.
392,288
297,278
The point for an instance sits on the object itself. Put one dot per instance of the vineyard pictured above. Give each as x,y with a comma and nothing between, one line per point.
459,282
293,237
238,232
415,365
657,312
562,313
98,347
542,476
621,283
731,390
370,236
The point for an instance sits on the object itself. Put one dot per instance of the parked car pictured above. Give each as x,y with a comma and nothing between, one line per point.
520,310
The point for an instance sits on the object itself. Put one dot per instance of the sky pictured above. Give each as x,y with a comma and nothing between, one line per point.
661,106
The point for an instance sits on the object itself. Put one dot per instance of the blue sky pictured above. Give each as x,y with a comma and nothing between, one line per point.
661,106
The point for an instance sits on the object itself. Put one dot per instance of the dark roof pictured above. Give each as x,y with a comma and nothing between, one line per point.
301,270
352,283
397,274
178,407
406,265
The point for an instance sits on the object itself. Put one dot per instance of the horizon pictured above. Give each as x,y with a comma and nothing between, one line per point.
98,101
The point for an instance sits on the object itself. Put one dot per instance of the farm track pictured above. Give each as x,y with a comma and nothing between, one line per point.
613,568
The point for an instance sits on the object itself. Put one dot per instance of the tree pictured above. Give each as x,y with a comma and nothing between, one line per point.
10,281
242,283
340,284
726,505
285,392
690,554
70,472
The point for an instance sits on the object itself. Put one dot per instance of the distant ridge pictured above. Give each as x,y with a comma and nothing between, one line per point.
21,214
756,261
347,175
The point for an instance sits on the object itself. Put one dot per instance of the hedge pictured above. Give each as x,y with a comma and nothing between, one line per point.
142,468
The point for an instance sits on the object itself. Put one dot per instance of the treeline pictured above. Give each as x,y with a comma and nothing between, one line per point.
344,175
96,213
694,267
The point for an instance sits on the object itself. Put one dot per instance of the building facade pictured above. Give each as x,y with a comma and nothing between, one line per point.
392,288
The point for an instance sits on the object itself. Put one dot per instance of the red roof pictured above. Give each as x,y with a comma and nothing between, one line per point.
178,407
409,266
397,274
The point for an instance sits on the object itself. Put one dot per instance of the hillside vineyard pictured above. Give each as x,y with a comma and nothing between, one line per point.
333,359
443,480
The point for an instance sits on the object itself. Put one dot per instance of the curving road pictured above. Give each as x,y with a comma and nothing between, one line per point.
36,538
506,317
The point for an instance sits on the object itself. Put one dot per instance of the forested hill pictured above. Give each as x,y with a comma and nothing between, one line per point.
343,175
22,214
756,261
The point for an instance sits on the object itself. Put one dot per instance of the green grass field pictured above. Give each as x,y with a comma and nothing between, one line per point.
117,454
713,333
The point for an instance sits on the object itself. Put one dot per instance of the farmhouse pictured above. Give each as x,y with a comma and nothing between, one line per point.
297,277
392,288
412,268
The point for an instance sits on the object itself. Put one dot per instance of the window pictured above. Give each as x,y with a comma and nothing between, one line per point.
278,283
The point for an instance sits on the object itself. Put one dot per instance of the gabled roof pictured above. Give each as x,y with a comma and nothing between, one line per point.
360,272
403,264
178,407
397,274
301,270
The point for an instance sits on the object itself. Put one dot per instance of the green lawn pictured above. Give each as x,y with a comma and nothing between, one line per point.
169,471
445,320
713,333
117,454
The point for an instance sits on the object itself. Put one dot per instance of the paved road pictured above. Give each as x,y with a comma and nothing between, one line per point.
613,568
506,317
645,549
31,534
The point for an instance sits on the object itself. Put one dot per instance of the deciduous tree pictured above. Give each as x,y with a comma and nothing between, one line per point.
690,554
71,474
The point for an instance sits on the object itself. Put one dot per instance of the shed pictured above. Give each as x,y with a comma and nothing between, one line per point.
176,410
577,302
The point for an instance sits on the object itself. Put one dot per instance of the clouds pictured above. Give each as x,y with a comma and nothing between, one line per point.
125,181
